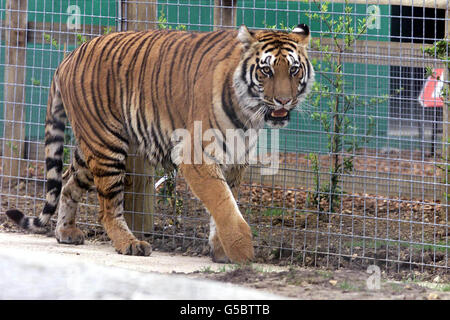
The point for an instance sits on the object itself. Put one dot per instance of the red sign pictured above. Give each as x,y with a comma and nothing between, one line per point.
431,92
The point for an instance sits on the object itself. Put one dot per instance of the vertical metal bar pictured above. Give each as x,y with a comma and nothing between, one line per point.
119,9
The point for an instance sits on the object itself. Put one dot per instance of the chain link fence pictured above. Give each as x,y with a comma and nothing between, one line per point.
362,175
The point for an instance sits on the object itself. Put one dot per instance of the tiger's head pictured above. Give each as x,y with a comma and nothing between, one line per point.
274,74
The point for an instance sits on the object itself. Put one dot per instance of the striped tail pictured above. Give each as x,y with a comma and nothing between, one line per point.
54,148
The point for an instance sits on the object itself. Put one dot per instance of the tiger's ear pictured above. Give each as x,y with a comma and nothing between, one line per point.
301,34
245,37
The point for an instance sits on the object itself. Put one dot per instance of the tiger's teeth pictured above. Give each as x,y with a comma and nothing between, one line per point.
279,113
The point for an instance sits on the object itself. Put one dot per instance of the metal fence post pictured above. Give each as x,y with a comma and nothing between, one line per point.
446,128
139,183
224,13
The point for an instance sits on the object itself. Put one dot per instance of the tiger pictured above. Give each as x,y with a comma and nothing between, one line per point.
137,88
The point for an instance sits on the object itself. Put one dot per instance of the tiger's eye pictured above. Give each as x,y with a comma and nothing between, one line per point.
266,70
293,70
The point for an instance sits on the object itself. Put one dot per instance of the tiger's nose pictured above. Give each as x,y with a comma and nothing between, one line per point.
282,101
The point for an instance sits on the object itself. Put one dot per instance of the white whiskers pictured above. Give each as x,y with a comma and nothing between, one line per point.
257,116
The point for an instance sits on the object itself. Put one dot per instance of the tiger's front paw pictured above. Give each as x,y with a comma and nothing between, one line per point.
238,244
134,248
69,235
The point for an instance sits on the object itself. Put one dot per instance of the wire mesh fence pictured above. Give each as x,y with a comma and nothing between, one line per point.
363,163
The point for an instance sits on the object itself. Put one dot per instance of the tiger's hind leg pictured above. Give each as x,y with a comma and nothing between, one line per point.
109,175
111,196
80,181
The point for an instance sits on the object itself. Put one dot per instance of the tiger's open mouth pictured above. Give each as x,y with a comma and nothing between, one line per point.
277,115
281,113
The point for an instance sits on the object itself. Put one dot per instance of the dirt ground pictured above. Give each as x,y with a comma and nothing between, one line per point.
287,281
319,283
